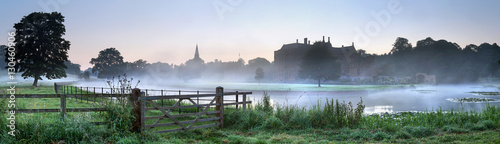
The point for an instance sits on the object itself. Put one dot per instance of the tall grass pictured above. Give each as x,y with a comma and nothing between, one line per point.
340,115
264,115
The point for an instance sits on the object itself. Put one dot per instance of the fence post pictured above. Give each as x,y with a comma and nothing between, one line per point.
55,87
244,101
63,104
180,111
138,109
94,95
236,99
81,94
198,101
220,107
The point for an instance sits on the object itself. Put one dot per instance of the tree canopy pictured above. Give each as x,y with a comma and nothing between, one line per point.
72,68
447,60
40,48
108,63
319,64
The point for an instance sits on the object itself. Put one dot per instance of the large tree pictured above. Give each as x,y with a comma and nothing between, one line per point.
40,48
319,64
109,63
72,68
259,74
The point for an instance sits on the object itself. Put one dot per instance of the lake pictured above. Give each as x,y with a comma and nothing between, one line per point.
376,98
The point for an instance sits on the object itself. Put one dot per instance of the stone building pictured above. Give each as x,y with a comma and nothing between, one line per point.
287,61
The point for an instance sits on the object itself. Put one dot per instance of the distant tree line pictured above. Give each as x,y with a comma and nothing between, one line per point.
447,60
109,63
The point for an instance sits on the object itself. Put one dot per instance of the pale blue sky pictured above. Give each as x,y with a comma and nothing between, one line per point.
168,31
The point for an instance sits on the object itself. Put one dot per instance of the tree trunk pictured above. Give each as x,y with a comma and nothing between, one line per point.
319,83
35,83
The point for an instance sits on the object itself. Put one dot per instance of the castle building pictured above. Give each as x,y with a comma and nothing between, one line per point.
287,60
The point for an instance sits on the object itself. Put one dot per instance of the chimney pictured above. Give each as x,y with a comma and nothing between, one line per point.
323,38
342,45
328,39
309,42
305,40
352,43
297,41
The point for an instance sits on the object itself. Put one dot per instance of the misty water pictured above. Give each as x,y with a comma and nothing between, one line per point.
423,98
419,98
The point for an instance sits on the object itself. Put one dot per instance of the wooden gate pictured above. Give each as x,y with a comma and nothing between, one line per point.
196,115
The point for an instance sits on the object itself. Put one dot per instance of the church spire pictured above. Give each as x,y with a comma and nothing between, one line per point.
196,54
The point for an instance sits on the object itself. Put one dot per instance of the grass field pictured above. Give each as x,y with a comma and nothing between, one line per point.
263,123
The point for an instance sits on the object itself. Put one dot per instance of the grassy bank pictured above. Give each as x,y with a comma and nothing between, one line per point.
262,123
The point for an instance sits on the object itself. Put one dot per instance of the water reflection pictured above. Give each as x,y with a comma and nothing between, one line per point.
378,109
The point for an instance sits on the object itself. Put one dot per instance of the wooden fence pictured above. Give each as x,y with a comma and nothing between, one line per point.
63,107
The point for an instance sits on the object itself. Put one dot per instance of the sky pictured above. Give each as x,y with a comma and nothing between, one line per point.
168,31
